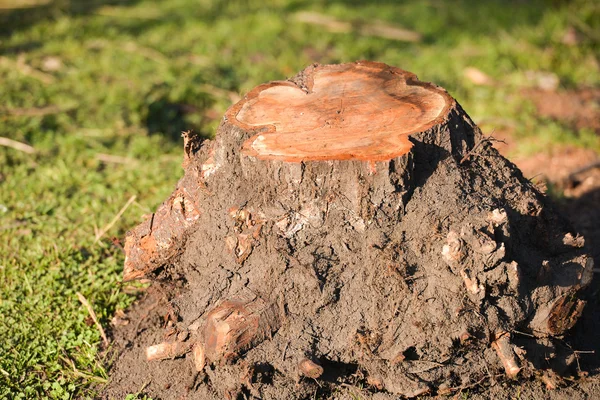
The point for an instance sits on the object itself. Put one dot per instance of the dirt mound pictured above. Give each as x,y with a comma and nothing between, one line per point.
409,259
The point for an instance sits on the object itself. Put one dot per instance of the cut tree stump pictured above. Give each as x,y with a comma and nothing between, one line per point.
353,225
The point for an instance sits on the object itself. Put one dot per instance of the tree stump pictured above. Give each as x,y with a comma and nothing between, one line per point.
353,225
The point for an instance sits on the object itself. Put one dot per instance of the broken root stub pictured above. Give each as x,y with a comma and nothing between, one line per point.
506,354
235,326
199,356
310,369
282,231
164,351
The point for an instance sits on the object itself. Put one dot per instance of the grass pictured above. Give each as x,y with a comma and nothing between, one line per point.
82,81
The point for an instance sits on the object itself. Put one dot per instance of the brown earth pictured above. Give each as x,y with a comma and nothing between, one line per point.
372,300
579,108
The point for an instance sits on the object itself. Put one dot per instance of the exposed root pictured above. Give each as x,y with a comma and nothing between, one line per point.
310,368
453,252
505,353
199,356
236,326
163,351
550,379
497,216
471,283
377,383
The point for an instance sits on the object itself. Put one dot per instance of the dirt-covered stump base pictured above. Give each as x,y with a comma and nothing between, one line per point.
350,227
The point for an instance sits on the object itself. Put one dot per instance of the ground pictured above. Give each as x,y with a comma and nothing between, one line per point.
101,90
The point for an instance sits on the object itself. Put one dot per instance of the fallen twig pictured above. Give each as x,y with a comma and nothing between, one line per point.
115,219
25,148
87,305
37,111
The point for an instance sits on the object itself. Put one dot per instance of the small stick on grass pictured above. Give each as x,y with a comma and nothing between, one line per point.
13,144
87,305
115,219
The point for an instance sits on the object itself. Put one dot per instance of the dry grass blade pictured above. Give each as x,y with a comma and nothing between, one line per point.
377,28
37,111
88,306
15,4
390,32
32,112
477,76
131,47
330,23
25,69
115,219
79,373
217,91
13,144
112,159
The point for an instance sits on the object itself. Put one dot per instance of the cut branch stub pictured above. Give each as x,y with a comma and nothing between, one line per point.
235,326
363,111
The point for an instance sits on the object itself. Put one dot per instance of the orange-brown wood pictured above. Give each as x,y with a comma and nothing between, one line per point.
362,110
235,326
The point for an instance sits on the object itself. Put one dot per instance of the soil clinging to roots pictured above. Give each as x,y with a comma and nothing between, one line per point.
402,254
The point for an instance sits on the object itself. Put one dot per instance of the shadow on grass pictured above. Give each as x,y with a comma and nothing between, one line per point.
171,116
21,17
447,20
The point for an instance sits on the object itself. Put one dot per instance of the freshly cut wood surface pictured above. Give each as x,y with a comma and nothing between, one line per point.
362,110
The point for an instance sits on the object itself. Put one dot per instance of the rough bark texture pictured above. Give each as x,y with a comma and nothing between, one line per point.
410,265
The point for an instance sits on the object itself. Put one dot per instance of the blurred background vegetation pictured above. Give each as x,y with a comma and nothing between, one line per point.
94,95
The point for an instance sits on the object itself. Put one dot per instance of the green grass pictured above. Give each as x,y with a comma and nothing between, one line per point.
125,77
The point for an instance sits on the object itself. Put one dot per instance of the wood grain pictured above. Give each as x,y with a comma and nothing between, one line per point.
363,110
